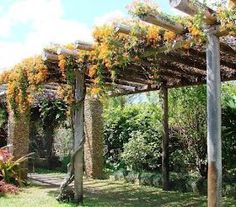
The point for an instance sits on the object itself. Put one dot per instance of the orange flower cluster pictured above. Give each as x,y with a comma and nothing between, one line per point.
153,34
61,64
22,80
65,93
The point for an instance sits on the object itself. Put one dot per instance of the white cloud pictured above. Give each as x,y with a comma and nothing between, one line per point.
48,26
109,18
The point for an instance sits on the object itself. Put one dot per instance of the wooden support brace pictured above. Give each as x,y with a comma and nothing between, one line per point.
193,7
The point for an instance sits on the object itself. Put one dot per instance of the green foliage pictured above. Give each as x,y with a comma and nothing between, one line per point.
52,112
3,114
143,151
229,132
121,122
188,115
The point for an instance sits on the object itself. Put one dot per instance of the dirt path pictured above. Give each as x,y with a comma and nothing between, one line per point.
46,179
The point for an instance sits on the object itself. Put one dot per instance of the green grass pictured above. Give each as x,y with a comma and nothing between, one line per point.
106,193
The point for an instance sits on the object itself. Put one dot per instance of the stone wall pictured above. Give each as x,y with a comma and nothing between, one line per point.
93,149
18,136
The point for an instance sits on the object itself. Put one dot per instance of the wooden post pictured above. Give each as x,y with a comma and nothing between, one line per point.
79,135
165,138
214,119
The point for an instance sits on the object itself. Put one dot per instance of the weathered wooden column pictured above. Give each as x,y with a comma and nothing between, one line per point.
214,119
165,137
79,135
93,151
18,136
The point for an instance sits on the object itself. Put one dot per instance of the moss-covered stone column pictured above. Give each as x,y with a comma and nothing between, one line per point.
93,151
18,136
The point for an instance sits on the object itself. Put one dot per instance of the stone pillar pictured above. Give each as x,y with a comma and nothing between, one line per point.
93,149
18,136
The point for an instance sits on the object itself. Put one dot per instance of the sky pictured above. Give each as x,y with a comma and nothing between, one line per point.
27,26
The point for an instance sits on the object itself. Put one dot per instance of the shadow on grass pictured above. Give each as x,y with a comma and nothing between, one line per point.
111,193
105,193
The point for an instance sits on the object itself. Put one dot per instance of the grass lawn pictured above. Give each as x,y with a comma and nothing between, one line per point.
107,193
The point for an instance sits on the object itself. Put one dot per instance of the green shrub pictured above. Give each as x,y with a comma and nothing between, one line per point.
229,190
143,151
119,175
146,178
121,122
181,182
132,177
156,181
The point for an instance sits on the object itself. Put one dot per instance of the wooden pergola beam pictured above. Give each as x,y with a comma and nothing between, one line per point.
193,7
48,56
81,45
122,28
64,51
164,22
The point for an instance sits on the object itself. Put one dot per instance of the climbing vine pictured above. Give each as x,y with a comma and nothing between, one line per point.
22,80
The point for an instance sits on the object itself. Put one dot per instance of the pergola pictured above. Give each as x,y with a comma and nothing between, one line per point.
176,67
